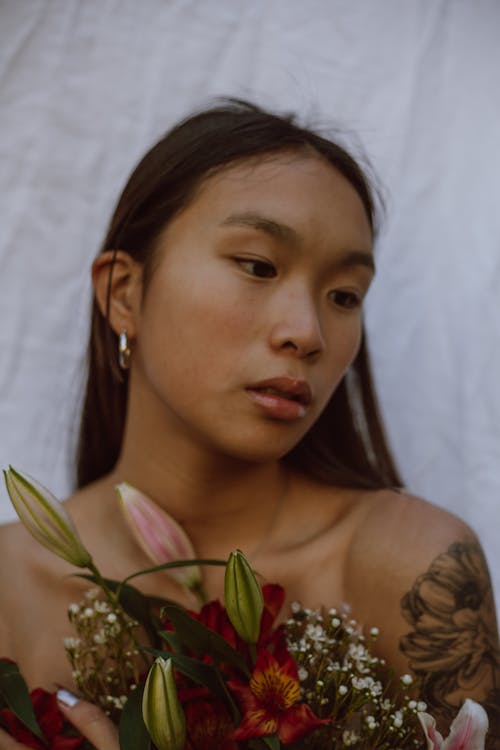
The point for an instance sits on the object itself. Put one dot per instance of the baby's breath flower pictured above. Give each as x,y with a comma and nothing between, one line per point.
104,655
342,680
407,679
397,719
349,738
370,722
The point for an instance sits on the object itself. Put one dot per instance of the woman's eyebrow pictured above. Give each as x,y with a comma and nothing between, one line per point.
276,230
350,258
285,234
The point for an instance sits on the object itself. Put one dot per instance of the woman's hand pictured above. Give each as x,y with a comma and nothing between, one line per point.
88,719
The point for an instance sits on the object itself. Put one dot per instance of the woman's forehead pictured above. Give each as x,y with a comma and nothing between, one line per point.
290,197
277,179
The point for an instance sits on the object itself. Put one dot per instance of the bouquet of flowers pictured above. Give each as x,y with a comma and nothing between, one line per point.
223,678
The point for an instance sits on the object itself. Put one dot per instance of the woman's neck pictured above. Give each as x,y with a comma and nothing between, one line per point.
222,503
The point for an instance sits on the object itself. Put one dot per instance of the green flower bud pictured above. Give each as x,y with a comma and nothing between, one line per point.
46,518
161,708
243,597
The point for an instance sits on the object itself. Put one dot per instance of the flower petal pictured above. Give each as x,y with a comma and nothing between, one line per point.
434,739
274,598
297,722
246,699
468,730
275,684
256,724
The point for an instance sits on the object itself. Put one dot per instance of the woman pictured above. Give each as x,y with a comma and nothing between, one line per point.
229,381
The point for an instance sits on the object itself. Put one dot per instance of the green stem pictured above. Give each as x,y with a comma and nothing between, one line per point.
111,596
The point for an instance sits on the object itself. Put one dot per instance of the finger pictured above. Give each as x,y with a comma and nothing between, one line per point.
90,721
9,743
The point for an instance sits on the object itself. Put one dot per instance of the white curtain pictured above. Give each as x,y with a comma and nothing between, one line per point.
86,86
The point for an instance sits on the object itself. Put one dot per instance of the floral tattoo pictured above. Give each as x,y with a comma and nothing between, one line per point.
453,645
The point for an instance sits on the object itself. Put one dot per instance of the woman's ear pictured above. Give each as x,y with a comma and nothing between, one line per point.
117,280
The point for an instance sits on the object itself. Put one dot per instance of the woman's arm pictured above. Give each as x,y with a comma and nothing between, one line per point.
452,638
423,580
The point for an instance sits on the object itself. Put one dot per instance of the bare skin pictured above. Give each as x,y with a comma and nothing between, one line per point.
262,250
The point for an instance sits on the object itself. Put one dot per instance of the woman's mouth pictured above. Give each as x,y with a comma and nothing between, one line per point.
281,398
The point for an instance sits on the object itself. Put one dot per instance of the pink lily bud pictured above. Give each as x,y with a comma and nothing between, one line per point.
467,732
159,535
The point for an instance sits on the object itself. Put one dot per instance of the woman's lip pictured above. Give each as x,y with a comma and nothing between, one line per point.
287,387
277,407
282,397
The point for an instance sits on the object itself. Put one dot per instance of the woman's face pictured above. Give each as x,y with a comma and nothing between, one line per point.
253,311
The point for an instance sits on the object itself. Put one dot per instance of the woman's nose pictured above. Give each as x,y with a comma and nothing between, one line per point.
297,328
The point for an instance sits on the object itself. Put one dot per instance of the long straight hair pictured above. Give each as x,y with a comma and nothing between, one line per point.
346,446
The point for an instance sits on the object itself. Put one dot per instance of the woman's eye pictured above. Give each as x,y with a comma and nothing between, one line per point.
347,300
262,269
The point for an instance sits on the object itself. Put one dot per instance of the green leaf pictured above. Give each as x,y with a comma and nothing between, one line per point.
272,741
132,731
261,743
15,693
200,639
173,641
198,671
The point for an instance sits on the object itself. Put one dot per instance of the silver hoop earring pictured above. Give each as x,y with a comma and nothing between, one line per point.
123,350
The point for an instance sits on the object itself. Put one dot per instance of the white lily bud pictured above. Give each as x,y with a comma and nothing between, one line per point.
161,708
45,518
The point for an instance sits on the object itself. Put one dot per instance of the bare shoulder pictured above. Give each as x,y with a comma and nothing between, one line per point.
399,532
419,573
16,550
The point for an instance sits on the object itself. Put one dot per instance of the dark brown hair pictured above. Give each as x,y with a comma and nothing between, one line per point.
347,444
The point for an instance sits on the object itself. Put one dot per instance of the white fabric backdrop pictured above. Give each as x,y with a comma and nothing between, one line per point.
87,86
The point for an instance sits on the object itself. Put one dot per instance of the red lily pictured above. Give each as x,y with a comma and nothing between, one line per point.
208,726
270,702
214,616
